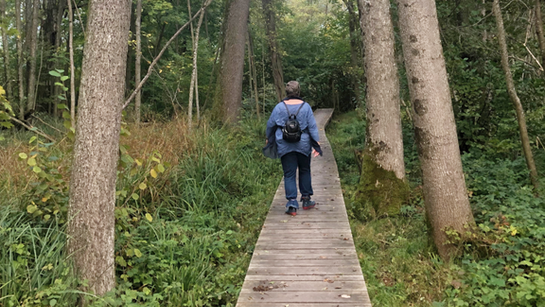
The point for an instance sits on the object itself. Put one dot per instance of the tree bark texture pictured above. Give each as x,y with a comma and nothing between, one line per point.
253,74
539,31
384,135
19,26
137,64
58,35
383,172
276,61
232,59
194,76
521,118
354,49
92,185
33,47
444,187
72,66
5,46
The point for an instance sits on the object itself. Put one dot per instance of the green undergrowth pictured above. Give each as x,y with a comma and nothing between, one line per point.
184,233
503,265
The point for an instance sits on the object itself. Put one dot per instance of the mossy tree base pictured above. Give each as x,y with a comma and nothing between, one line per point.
380,193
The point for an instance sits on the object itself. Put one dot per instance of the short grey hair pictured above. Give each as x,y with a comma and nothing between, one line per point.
293,89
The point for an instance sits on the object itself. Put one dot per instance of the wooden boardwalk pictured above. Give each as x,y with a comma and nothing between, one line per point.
309,259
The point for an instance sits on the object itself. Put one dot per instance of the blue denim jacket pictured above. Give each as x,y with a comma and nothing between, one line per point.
309,138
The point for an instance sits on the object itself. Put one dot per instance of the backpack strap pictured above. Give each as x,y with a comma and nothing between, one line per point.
296,113
288,110
299,108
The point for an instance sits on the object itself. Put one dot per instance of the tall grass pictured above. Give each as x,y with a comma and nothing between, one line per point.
397,258
186,241
501,265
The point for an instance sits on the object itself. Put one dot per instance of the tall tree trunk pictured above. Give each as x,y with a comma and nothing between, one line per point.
514,97
58,35
253,74
19,26
539,31
5,46
276,62
137,67
232,59
483,15
382,181
192,82
193,86
33,47
354,50
444,187
72,67
93,177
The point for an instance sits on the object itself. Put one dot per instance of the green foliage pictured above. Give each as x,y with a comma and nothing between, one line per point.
47,196
5,111
186,240
33,269
316,52
501,264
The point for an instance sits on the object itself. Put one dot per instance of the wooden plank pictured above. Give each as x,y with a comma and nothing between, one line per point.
319,252
263,304
296,270
291,286
348,296
307,246
316,277
308,260
305,262
305,239
300,257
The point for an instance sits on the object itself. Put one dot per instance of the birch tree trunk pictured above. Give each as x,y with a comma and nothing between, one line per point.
58,35
33,47
72,67
382,182
232,59
521,119
19,26
5,46
93,177
193,84
276,62
444,188
137,65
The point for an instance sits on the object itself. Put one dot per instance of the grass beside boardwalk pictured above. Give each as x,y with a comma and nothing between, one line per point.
398,262
502,265
183,239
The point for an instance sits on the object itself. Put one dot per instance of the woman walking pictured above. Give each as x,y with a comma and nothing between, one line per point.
294,147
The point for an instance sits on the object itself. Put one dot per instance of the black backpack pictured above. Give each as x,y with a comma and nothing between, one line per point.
291,132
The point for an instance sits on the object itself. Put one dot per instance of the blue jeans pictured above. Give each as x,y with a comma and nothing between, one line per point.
290,162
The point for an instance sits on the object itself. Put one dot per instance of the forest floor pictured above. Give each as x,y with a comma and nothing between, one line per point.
502,265
189,208
187,213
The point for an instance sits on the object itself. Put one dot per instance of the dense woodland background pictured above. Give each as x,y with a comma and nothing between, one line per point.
192,191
